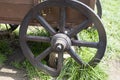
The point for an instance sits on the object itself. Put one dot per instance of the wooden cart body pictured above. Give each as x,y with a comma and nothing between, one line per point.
13,11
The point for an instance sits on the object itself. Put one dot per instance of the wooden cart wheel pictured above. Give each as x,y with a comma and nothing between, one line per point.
8,29
62,40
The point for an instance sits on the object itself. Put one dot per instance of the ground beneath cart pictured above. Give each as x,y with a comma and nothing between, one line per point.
11,73
114,70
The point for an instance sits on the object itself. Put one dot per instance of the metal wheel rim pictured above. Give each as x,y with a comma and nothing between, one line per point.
99,8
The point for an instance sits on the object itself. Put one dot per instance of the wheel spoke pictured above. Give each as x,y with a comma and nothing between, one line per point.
75,56
13,27
62,19
44,54
79,28
38,39
45,24
60,61
85,44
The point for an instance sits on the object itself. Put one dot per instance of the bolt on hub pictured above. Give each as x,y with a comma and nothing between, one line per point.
60,42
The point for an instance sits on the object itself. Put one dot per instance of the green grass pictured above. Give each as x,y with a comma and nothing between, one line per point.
34,73
72,71
5,47
111,20
4,50
2,59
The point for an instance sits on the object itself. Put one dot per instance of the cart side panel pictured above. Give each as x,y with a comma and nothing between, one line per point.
13,11
52,14
77,17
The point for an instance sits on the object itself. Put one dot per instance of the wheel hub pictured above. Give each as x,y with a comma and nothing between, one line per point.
60,42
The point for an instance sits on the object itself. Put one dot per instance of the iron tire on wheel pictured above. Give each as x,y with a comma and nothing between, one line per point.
99,8
60,41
